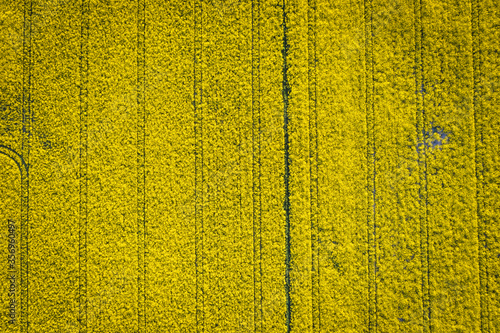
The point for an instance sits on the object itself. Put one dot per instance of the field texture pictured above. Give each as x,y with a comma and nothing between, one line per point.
250,166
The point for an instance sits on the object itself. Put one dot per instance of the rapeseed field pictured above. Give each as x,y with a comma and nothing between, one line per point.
250,166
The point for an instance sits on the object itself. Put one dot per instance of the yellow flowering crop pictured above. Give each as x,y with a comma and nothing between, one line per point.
250,166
